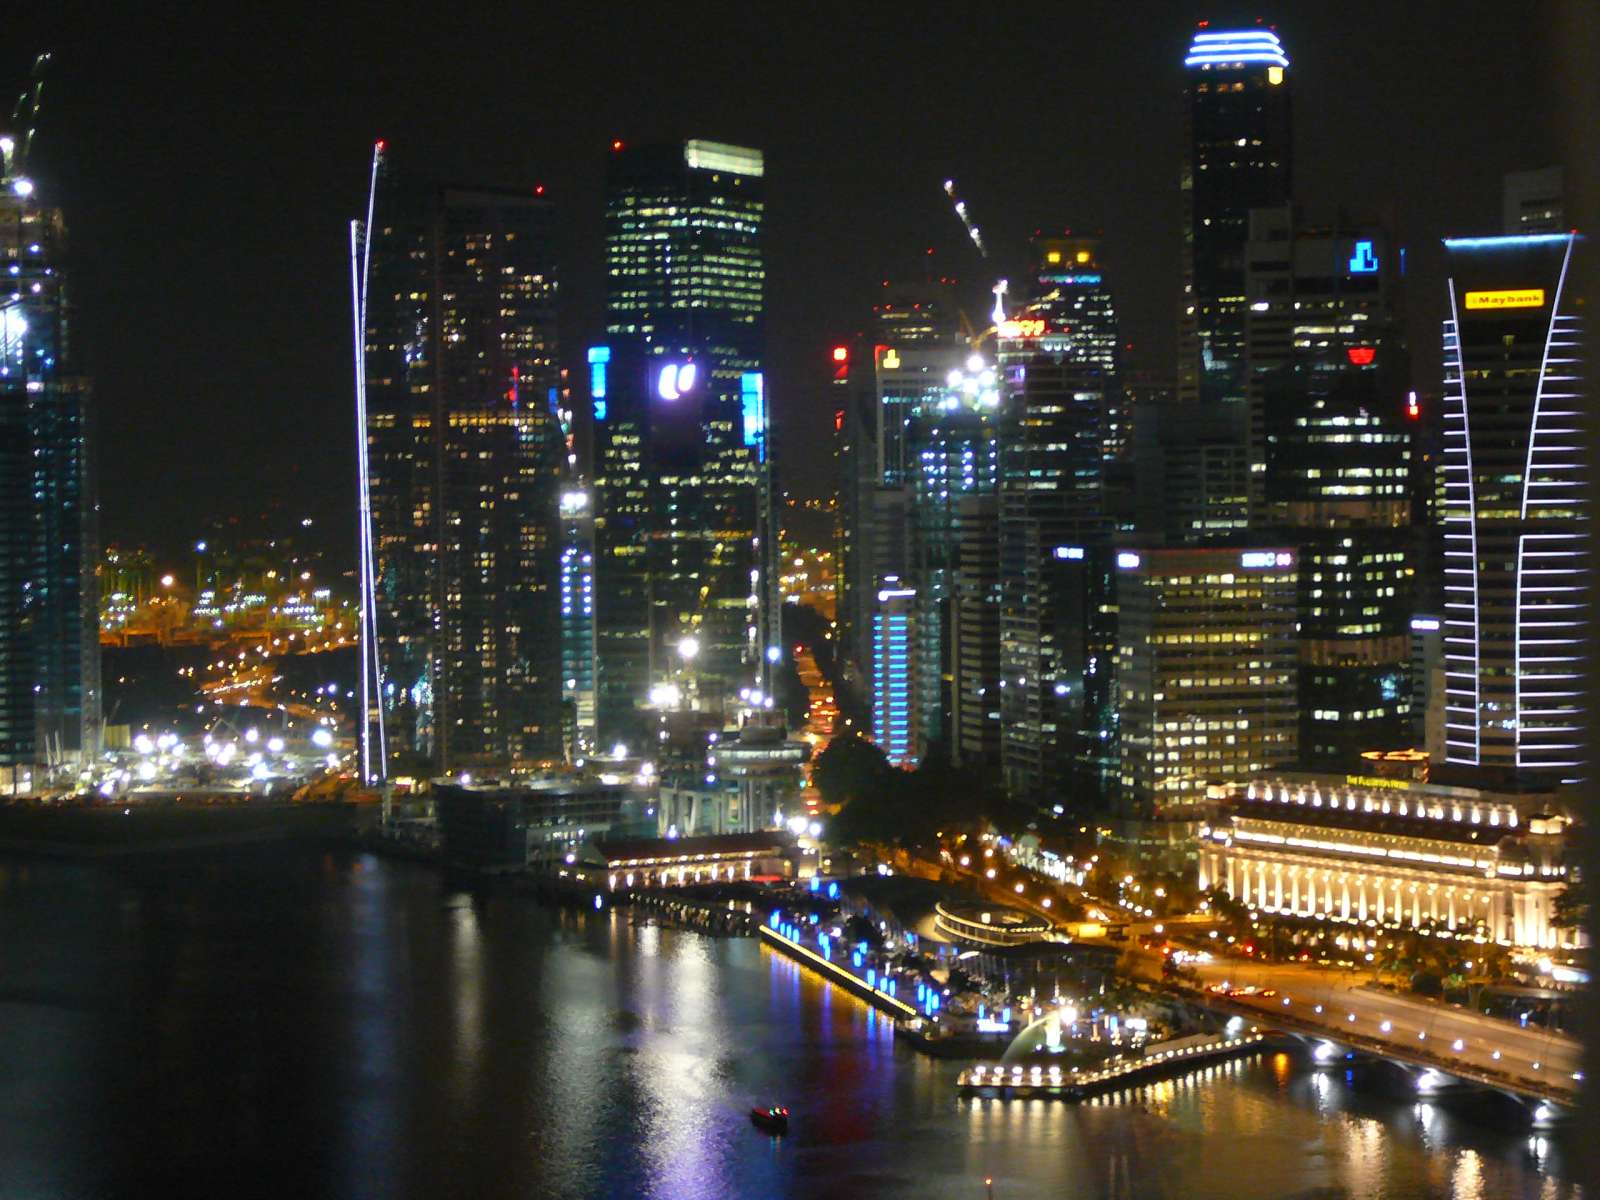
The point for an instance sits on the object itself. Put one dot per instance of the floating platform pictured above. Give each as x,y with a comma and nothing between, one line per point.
1041,1082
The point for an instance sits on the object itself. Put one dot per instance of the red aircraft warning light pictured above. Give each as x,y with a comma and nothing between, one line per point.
616,143
841,354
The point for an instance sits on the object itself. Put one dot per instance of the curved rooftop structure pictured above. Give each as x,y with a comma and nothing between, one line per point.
1235,48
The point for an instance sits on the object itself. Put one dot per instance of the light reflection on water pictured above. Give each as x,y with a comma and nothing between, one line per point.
370,1028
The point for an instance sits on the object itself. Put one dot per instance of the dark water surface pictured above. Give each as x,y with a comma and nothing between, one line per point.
297,1023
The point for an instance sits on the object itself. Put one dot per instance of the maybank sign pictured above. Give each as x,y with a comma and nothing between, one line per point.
1506,298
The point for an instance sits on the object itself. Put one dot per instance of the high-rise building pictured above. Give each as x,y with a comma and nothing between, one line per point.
1207,659
685,545
577,620
1332,418
1516,540
465,448
1534,201
893,672
1238,157
49,610
1191,471
1057,361
916,314
951,449
975,632
879,390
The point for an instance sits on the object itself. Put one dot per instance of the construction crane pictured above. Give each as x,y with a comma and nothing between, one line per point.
24,119
966,220
998,314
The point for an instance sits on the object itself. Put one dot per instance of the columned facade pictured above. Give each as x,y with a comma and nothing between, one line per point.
1401,855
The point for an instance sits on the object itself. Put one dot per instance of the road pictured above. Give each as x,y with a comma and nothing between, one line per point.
1337,1002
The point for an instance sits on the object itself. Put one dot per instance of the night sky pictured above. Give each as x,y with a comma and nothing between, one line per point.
208,162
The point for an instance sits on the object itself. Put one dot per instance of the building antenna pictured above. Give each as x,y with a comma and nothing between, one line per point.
371,690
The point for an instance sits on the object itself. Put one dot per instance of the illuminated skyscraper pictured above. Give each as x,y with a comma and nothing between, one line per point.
466,450
577,618
1206,672
1058,368
1237,127
893,673
49,620
1516,539
684,532
915,314
952,455
975,632
1332,417
880,389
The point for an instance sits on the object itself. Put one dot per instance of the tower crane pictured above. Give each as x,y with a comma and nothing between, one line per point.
998,314
24,119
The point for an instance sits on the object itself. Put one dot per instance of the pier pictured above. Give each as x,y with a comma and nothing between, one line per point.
868,987
1016,1081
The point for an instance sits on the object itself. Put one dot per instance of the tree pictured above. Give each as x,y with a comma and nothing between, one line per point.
1571,908
1234,915
849,768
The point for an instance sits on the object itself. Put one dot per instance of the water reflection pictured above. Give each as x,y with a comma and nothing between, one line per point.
332,1027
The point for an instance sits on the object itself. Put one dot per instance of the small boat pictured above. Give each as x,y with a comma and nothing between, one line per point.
773,1120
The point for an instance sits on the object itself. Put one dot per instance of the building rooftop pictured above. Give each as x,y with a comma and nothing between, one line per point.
1235,47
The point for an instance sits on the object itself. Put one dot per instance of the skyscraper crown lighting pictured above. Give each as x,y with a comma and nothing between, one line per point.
1235,47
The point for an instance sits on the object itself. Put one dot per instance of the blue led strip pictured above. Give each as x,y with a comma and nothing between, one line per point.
1239,46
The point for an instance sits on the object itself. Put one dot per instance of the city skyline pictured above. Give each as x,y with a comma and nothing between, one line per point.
840,183
900,564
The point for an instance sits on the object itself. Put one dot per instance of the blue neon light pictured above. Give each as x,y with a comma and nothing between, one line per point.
1506,242
1363,261
599,356
1237,46
753,407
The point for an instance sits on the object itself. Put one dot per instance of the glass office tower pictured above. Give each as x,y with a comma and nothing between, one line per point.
1237,129
1516,537
685,533
466,449
1332,420
1058,369
49,619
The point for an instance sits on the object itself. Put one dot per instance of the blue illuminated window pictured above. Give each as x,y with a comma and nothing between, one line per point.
753,406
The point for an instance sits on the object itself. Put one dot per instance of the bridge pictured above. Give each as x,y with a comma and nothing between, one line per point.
1438,1045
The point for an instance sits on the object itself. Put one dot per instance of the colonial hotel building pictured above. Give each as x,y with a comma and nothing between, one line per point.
1390,847
1394,853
